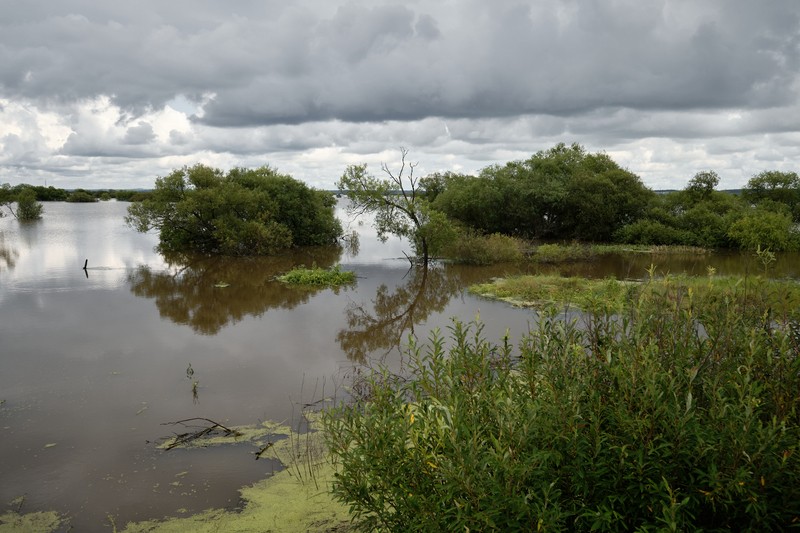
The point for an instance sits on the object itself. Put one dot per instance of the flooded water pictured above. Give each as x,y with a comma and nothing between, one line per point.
94,362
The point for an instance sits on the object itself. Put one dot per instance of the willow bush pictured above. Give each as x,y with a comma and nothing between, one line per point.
680,413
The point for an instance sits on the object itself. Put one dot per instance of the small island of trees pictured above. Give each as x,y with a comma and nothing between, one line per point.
244,212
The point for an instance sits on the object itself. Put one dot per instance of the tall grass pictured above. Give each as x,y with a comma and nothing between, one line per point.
679,411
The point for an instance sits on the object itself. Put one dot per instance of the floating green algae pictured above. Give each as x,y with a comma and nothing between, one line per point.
39,522
295,499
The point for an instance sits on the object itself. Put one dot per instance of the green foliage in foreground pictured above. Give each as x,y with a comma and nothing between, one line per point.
680,413
319,277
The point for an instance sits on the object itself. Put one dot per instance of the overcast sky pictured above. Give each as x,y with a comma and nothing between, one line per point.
111,94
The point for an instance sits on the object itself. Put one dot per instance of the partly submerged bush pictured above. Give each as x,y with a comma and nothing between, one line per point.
680,413
559,253
319,277
242,212
27,207
473,248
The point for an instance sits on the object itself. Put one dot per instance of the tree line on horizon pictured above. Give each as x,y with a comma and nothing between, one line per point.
561,194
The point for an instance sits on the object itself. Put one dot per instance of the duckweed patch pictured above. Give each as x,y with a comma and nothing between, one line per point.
39,522
296,499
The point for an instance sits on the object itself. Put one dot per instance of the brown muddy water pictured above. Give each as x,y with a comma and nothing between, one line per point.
93,363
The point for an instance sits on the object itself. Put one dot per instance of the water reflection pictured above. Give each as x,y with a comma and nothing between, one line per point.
392,314
8,255
209,293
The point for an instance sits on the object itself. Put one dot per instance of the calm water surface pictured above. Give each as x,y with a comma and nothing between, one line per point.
93,363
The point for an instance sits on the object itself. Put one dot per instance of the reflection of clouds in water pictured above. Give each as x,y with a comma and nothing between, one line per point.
371,249
52,251
8,254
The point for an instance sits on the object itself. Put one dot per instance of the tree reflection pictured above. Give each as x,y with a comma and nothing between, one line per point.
395,313
209,293
8,255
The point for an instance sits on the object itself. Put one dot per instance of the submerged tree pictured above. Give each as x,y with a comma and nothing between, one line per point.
243,212
397,201
28,208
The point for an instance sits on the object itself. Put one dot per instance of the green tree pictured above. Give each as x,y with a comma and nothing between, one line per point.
765,229
477,202
28,208
702,185
563,192
397,202
246,212
5,198
597,204
81,196
775,186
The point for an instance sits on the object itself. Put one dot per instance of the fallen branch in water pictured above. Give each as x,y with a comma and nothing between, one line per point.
203,431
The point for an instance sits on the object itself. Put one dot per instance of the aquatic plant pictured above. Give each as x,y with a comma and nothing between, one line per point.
318,277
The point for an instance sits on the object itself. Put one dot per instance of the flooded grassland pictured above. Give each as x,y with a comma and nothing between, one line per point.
95,364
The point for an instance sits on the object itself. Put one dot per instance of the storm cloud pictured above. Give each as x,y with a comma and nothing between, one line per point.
315,85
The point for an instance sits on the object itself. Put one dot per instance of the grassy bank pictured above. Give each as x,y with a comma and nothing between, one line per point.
611,295
475,249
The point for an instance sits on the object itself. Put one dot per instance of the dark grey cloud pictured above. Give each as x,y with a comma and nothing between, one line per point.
131,90
267,63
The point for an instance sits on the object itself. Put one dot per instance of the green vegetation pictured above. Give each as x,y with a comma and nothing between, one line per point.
28,208
397,203
675,409
472,248
81,196
319,277
562,193
243,212
565,193
614,295
37,522
294,499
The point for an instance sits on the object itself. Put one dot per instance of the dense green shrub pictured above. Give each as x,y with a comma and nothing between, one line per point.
559,253
679,414
81,196
648,231
767,229
243,212
472,248
27,206
775,187
560,193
